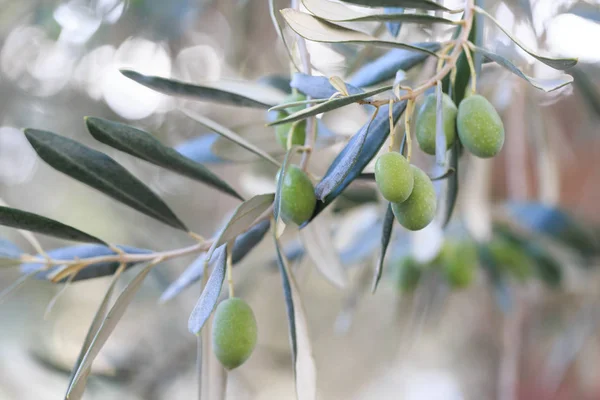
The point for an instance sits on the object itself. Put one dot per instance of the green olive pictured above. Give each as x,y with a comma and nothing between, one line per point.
234,332
419,209
394,177
480,128
409,274
296,129
459,263
426,122
298,198
292,98
512,258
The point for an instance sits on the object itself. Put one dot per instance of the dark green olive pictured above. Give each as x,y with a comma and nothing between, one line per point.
298,198
426,123
480,128
419,209
394,177
296,129
234,332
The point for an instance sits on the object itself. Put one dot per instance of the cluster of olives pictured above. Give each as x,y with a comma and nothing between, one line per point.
234,332
457,261
297,129
408,188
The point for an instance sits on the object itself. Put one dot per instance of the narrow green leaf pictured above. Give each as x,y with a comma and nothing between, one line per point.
106,329
36,223
452,186
279,27
338,12
304,363
143,145
205,92
329,105
556,63
318,245
243,217
547,85
229,134
420,4
101,172
318,30
587,88
386,235
210,295
77,393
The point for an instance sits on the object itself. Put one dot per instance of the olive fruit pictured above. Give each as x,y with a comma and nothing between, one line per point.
512,258
426,122
409,274
298,198
296,129
416,212
292,98
459,263
233,332
480,128
394,177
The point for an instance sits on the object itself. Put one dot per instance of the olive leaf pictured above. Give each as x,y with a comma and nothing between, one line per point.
385,67
143,145
243,217
547,85
210,294
386,235
338,12
420,4
496,278
206,92
10,254
279,27
302,358
318,86
77,393
556,63
393,27
36,223
343,165
318,30
106,328
378,133
229,134
101,172
199,149
587,88
78,252
329,106
317,243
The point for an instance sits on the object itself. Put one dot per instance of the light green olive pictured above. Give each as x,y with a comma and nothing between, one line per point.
394,177
480,128
292,98
298,198
234,332
459,259
426,123
419,209
296,129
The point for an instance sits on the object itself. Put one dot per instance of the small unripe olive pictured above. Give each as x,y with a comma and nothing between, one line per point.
298,198
394,177
296,129
511,258
459,263
292,98
409,274
416,212
426,122
234,332
480,128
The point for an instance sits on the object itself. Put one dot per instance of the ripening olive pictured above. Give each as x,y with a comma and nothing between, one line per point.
419,209
394,177
233,332
459,263
298,198
426,122
480,128
409,274
296,129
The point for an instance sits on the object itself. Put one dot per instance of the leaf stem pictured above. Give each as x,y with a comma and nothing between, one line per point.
407,121
471,68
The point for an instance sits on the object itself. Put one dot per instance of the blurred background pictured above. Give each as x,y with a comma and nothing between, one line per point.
59,62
